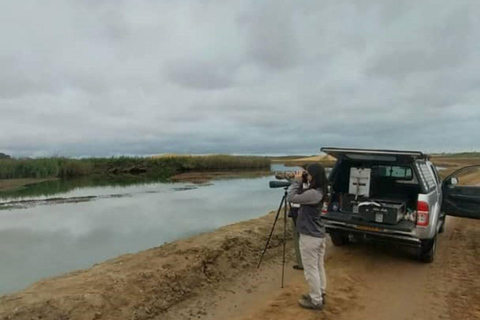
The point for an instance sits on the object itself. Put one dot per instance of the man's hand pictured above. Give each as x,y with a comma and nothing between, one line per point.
298,175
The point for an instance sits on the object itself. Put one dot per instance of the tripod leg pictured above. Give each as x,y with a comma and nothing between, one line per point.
284,240
273,228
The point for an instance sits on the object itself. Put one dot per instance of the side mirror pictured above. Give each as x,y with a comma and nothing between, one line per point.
466,177
454,181
451,182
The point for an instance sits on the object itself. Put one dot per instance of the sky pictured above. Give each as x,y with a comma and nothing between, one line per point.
140,77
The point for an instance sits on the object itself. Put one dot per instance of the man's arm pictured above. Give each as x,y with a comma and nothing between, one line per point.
310,196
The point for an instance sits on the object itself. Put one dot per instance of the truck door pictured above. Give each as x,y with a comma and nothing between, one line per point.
461,193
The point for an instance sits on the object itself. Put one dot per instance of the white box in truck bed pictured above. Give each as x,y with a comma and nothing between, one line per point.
360,181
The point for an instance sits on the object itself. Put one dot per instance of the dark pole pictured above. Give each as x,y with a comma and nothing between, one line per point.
284,199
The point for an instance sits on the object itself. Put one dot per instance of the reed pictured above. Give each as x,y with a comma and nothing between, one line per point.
43,168
154,167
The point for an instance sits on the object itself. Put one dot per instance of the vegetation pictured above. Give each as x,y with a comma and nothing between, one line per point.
43,168
158,167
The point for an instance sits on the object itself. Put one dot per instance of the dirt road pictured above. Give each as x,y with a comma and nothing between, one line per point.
368,281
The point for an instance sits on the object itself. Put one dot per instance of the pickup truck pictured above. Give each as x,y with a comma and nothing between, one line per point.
397,196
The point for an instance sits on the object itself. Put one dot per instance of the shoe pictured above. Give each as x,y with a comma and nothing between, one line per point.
306,296
297,267
308,304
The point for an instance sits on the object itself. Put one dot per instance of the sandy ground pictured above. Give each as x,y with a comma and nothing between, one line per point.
13,184
214,276
455,162
451,162
207,176
325,160
149,284
369,281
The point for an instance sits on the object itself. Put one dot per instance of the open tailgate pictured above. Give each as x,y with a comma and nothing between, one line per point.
373,154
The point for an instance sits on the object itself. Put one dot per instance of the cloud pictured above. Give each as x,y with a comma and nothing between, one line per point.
202,75
99,78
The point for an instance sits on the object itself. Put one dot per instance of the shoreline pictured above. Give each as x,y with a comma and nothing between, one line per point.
19,184
207,176
149,283
196,177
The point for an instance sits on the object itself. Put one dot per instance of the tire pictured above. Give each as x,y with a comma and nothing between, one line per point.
339,239
442,227
427,250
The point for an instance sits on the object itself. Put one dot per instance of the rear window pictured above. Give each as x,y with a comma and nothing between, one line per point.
395,172
427,178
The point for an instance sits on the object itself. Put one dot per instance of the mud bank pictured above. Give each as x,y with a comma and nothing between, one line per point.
17,184
147,284
205,177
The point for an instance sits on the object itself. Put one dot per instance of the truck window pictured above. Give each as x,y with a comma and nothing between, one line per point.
435,174
426,177
396,172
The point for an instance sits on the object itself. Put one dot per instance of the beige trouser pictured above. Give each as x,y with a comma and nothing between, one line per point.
313,252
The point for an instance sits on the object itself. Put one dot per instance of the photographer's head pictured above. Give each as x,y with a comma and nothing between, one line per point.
316,176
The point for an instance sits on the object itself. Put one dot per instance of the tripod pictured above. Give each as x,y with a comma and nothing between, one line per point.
283,203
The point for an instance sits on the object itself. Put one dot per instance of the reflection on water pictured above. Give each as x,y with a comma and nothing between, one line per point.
55,187
62,226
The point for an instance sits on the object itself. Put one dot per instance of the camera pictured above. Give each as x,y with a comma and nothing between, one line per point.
290,175
286,175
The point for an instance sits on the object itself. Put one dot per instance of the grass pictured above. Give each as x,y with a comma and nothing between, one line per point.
160,167
43,168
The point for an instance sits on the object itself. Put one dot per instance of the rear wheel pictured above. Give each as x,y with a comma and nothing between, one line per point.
339,239
427,250
442,227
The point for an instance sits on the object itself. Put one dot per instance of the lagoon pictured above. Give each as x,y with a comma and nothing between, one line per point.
47,235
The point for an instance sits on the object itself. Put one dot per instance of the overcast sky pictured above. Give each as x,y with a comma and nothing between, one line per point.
112,77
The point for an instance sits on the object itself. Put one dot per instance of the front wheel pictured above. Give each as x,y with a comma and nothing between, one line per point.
339,239
427,250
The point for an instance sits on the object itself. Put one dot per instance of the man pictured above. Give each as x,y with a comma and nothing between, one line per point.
312,231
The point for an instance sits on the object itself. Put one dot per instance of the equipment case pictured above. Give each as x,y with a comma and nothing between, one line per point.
389,213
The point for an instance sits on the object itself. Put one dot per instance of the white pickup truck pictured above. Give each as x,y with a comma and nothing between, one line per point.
395,196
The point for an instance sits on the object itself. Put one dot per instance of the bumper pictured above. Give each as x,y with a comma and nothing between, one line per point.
403,233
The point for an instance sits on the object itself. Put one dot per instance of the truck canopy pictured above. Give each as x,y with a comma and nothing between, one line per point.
374,155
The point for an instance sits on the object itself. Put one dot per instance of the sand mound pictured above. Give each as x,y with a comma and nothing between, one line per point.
146,284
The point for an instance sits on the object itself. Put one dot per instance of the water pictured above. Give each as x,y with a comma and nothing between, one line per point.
87,224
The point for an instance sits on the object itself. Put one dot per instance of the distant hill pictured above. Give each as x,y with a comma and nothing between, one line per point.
4,156
461,155
326,160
